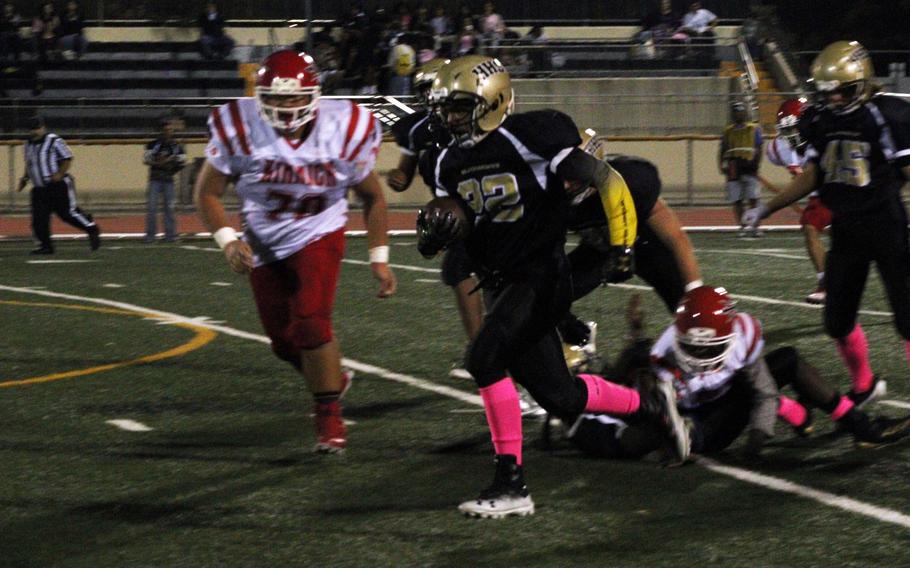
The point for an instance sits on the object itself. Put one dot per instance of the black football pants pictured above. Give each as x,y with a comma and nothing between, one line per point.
856,243
58,198
518,338
654,263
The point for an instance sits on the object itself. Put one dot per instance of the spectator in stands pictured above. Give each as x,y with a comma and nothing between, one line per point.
213,42
10,40
72,41
492,26
165,157
739,157
45,28
468,41
538,57
440,23
699,23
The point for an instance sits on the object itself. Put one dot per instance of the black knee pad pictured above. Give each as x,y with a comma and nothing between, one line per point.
838,327
783,363
486,356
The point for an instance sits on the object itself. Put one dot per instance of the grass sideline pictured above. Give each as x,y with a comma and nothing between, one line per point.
224,476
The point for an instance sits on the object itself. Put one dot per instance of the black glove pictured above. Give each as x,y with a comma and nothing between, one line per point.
755,441
436,229
620,265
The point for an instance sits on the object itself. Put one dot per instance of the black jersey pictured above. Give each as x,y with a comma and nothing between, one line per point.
859,154
643,181
508,180
413,133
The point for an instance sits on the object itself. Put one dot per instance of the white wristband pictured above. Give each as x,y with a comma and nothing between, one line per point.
380,254
693,285
224,235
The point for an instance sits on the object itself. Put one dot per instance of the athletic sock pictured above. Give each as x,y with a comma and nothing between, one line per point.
604,396
500,402
907,349
854,350
844,405
790,411
326,398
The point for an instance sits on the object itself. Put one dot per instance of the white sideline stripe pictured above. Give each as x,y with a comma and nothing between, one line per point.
895,403
773,483
129,425
427,280
747,252
58,261
762,300
112,285
220,283
757,299
837,501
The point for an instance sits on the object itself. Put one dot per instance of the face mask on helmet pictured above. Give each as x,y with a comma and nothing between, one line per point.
459,115
287,112
704,330
786,128
841,99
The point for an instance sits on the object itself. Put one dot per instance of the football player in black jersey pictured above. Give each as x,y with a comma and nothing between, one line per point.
509,174
419,139
859,157
664,257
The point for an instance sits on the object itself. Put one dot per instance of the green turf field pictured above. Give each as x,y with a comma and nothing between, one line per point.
225,478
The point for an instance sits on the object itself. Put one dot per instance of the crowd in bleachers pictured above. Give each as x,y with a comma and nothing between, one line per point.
366,52
51,35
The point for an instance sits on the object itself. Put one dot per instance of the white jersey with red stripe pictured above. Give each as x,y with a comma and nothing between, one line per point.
293,192
695,389
781,153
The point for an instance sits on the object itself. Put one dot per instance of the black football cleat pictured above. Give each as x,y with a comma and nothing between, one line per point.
878,389
94,237
875,432
807,428
507,496
42,250
658,405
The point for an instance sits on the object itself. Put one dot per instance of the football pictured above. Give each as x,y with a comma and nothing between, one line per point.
465,222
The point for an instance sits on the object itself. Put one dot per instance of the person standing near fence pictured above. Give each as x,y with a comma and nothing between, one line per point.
740,155
47,164
165,157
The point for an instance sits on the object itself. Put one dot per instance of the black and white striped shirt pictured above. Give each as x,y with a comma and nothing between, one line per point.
43,157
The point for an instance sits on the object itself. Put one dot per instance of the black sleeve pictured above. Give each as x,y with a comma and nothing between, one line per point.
896,112
402,131
547,133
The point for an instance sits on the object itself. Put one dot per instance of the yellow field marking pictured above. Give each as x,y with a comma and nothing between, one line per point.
202,337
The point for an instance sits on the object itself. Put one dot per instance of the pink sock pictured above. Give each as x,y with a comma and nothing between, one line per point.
854,350
843,407
790,411
604,396
500,401
907,349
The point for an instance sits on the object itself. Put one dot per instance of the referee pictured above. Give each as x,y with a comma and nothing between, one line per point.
47,163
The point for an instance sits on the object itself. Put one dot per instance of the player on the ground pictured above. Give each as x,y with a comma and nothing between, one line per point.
295,156
508,174
725,385
788,150
859,158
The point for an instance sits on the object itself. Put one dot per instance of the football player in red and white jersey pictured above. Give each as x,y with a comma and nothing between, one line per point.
714,357
294,157
788,150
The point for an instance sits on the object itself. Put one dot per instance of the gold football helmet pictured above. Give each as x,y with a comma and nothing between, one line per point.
473,96
423,78
842,75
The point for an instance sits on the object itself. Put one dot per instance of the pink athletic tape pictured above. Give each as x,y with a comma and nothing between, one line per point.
843,407
790,411
500,401
604,396
854,350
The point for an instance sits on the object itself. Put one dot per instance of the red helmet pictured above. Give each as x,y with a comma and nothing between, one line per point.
704,329
288,74
787,118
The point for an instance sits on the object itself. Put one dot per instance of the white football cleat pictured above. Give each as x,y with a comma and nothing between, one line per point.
508,495
817,297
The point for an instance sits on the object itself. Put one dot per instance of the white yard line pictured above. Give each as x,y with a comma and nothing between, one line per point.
775,484
129,425
755,252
